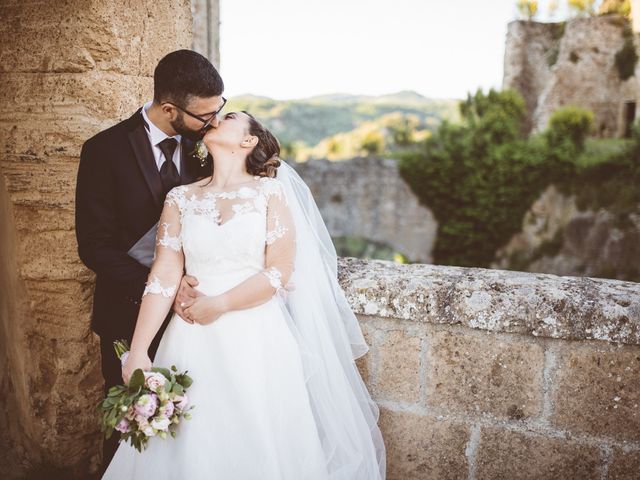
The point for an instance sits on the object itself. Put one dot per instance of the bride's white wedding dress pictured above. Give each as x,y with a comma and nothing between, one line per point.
253,418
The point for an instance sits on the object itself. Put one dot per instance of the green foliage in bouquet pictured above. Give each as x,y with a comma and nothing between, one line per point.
151,404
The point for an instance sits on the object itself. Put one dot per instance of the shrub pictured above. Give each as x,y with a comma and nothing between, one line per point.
479,178
569,124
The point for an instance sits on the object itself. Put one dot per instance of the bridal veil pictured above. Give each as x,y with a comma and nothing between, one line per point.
330,339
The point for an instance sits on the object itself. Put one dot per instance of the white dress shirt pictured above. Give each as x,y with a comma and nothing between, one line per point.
156,136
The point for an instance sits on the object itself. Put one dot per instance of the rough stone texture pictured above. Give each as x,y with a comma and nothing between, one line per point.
421,447
206,25
558,238
542,305
399,362
503,454
84,36
364,362
367,197
583,73
492,375
527,49
624,465
69,69
598,392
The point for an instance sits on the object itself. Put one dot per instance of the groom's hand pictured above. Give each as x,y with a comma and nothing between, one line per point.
186,296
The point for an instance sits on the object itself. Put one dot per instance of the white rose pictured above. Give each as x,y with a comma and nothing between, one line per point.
154,380
160,423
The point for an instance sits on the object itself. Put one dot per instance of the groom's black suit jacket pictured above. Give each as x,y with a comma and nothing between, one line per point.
119,198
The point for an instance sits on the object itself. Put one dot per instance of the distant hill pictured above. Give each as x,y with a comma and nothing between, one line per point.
309,121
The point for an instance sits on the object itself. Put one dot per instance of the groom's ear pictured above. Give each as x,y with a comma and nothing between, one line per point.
169,110
249,141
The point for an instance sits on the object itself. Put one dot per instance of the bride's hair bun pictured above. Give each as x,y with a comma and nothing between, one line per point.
264,159
271,165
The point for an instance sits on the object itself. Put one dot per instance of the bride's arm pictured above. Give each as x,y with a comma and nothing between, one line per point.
280,251
162,283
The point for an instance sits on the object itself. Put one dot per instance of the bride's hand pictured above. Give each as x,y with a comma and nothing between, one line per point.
186,294
205,310
133,362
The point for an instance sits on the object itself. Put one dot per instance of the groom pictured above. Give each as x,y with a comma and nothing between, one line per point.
124,175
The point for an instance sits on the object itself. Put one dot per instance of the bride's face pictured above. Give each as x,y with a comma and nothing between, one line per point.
232,131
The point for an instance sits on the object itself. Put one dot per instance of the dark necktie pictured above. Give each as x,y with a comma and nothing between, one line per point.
168,171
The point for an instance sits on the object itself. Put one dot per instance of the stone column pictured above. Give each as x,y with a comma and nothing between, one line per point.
68,70
206,25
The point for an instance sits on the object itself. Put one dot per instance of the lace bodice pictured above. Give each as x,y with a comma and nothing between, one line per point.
247,228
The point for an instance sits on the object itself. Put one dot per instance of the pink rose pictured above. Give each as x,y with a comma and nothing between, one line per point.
181,401
146,405
123,426
167,409
142,422
154,380
131,413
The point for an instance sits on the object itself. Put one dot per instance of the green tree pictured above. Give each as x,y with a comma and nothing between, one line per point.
495,118
402,129
373,142
478,177
334,146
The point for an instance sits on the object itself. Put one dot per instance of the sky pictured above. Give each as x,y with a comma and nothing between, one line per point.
289,49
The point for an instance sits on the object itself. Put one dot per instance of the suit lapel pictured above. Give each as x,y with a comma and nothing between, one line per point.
144,155
190,169
186,176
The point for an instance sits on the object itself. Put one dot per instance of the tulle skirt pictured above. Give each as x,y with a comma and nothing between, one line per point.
252,417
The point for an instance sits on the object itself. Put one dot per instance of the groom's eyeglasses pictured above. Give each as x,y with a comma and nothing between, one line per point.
206,122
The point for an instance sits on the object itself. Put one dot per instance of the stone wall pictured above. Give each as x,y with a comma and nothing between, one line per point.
560,238
206,27
487,374
479,373
68,70
367,197
570,63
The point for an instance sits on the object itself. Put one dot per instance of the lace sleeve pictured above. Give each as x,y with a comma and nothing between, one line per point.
165,275
280,238
166,270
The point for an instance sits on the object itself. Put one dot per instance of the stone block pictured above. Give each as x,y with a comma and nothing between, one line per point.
624,465
478,374
53,111
422,447
90,39
398,375
503,454
597,391
364,363
50,256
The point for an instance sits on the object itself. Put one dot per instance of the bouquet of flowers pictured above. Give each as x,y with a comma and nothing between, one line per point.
152,404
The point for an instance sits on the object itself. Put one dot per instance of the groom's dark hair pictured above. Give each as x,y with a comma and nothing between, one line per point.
183,74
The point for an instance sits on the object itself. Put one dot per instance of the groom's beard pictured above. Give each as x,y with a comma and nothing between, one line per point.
180,128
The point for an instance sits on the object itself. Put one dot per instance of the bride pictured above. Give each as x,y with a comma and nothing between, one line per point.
272,343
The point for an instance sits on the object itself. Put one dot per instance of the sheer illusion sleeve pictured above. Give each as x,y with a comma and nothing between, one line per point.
165,275
280,248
